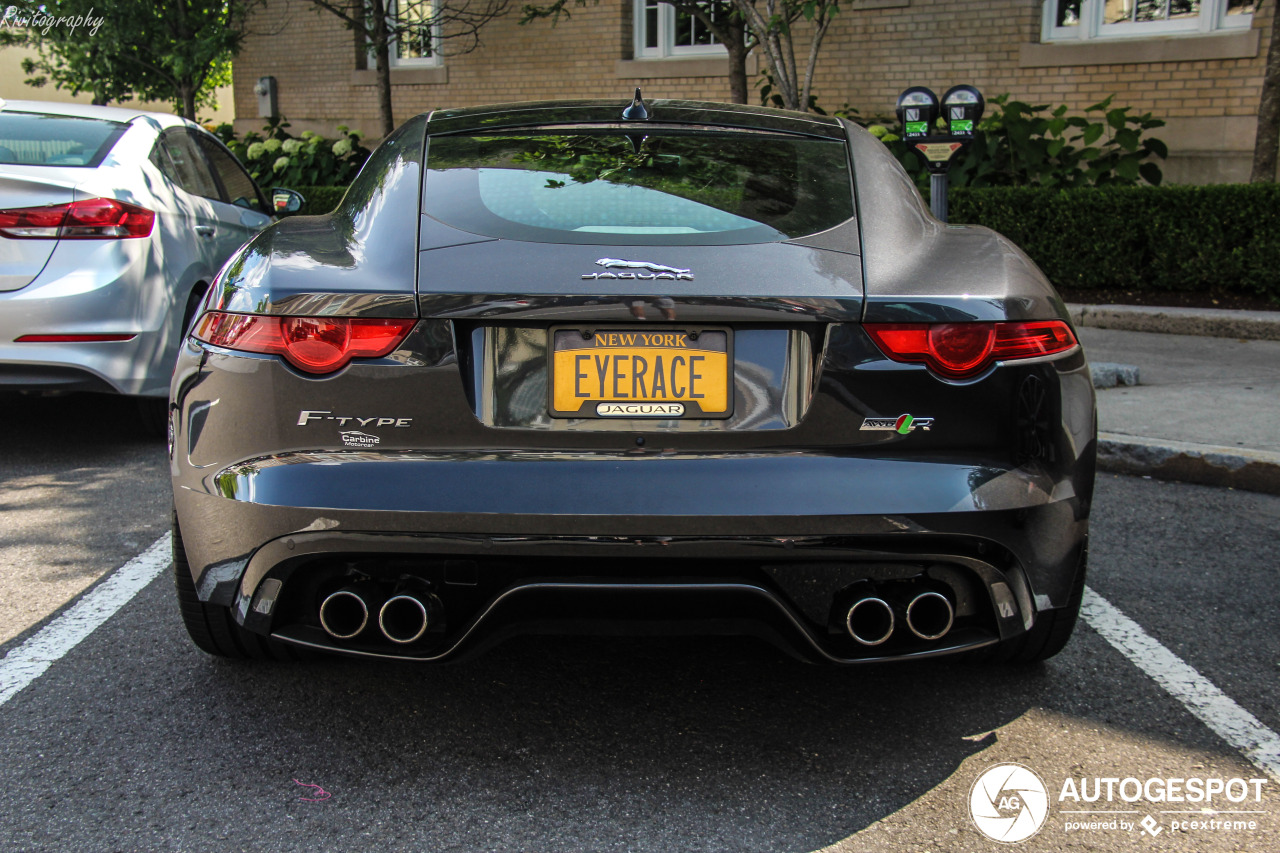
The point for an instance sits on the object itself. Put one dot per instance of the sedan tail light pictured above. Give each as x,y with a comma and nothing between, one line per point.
311,344
963,350
87,219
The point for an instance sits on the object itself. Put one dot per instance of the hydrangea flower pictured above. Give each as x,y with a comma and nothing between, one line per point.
291,146
281,164
309,134
272,145
342,147
256,150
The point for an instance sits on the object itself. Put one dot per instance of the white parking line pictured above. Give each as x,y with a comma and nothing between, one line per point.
38,652
1215,709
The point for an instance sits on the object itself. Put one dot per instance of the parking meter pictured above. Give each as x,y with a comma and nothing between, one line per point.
962,108
917,110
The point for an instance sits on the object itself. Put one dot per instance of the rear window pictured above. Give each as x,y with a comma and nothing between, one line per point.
29,139
662,187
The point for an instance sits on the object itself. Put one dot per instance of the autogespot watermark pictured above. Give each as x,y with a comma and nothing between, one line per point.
1010,803
40,20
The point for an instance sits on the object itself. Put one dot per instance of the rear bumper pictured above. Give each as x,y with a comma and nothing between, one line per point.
92,287
764,543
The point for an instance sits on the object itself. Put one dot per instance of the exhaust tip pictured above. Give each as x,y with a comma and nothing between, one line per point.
403,619
344,614
929,615
870,621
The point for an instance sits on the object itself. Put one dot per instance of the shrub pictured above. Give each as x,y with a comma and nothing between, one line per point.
280,159
320,199
1211,238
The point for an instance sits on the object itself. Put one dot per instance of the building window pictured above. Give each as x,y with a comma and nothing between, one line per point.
662,31
1075,20
416,43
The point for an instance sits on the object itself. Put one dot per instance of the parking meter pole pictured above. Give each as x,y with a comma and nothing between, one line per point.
938,184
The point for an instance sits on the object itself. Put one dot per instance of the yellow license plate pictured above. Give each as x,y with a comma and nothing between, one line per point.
641,373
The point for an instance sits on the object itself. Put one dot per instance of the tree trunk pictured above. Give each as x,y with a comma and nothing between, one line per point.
737,70
1268,139
382,53
188,93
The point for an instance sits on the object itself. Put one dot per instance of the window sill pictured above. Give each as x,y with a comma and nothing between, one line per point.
699,66
1236,45
403,76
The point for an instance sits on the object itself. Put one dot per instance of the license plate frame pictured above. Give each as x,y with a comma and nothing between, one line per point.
710,344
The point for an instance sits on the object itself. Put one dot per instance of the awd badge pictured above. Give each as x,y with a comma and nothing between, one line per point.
902,424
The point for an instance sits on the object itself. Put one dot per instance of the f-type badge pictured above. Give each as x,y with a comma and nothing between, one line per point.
902,424
654,271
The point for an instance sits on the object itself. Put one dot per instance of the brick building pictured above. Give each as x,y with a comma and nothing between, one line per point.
1198,64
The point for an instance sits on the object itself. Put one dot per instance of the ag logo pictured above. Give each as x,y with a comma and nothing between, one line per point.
1009,803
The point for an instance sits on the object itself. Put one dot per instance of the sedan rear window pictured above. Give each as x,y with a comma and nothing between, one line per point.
660,187
31,139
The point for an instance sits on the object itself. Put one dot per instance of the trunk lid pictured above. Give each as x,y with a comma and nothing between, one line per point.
21,260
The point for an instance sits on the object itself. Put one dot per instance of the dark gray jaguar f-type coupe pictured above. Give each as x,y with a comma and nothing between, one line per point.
608,366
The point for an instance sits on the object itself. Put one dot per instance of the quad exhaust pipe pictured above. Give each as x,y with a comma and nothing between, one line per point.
871,620
403,618
929,615
344,614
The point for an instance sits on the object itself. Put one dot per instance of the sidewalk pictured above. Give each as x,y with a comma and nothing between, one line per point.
1207,409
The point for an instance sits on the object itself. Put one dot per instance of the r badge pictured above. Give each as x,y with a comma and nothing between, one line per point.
902,424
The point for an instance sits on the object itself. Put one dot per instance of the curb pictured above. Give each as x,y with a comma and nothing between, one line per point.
1209,465
1209,322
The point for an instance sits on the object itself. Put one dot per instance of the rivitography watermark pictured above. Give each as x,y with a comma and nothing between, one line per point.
41,21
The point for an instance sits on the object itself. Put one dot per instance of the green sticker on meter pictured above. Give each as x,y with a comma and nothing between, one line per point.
965,126
917,127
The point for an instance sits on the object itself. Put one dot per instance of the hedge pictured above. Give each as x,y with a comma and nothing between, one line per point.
320,199
1213,238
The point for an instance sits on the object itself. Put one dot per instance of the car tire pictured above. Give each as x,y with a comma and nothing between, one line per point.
1047,637
153,413
211,627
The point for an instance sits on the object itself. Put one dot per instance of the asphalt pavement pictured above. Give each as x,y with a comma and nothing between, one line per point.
1206,406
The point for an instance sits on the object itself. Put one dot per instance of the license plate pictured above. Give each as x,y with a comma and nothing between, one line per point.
641,373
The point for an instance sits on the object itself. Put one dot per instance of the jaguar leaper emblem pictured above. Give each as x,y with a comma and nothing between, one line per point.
643,270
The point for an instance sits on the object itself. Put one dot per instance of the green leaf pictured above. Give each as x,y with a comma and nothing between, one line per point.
1091,134
1151,173
1127,139
1127,168
1116,118
1056,146
1158,148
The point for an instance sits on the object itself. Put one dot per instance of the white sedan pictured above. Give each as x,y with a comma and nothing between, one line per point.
113,222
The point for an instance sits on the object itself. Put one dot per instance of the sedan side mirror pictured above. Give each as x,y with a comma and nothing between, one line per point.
285,202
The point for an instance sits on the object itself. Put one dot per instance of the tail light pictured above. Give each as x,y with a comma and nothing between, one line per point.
963,350
87,219
311,344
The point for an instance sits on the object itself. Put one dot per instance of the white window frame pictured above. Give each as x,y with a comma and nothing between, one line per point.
433,61
1213,18
667,48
